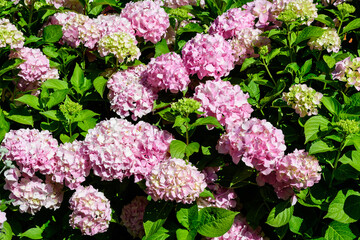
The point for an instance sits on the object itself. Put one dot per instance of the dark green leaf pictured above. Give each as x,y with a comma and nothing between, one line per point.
52,33
309,32
305,69
21,115
332,105
57,97
10,65
4,125
280,214
326,20
155,216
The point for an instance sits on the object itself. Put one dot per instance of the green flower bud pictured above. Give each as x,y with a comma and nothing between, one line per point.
346,8
185,106
70,109
348,126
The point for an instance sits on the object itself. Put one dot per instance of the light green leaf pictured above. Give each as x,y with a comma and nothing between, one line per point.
52,33
155,216
6,233
280,214
50,51
21,115
206,121
55,84
32,233
103,2
99,85
56,98
206,193
332,105
30,100
320,147
247,63
192,148
330,61
54,115
190,27
79,82
309,32
339,231
84,114
354,24
4,125
161,48
187,215
177,149
313,126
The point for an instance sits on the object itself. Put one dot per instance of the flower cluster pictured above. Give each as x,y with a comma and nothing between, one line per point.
224,101
297,170
305,10
31,193
348,126
121,44
334,2
148,19
329,40
256,142
185,106
303,99
179,3
208,56
71,165
175,180
244,43
32,150
2,219
224,198
34,70
132,216
119,149
127,93
167,72
91,211
113,23
10,35
348,71
231,22
72,4
261,9
240,230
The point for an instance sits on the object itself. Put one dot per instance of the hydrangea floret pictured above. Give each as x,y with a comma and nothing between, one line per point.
121,44
91,211
10,35
348,126
112,23
329,40
179,3
70,108
175,180
303,10
208,56
261,9
348,71
185,106
227,102
305,100
167,72
149,20
132,216
2,219
129,95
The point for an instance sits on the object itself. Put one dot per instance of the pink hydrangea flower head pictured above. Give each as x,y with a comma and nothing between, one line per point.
231,22
10,35
333,2
208,56
121,44
261,9
244,43
128,95
132,216
224,198
348,71
175,180
179,3
167,72
71,165
256,142
32,150
31,193
112,23
91,211
329,40
227,102
303,99
2,219
149,20
34,70
240,230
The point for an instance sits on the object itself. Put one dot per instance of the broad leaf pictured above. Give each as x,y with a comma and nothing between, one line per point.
320,147
177,149
155,216
32,233
280,214
99,85
55,84
52,33
187,215
30,100
339,231
161,48
332,105
313,126
354,24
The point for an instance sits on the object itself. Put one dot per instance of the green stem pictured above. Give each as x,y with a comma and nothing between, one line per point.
336,162
70,128
30,16
268,71
338,32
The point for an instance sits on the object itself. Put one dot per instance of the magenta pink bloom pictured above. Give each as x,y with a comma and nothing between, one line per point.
132,216
2,219
231,22
112,23
261,9
71,165
149,20
31,193
256,142
128,95
32,150
228,103
208,56
175,180
167,72
224,198
91,211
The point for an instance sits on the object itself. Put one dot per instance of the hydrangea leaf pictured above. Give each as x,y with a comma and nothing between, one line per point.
155,216
338,231
280,214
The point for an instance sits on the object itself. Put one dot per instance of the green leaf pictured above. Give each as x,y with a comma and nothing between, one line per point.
99,85
187,215
339,231
332,105
280,214
240,175
160,234
167,115
87,124
79,82
326,20
206,193
50,51
355,100
354,24
30,100
206,121
52,33
32,233
52,126
352,158
155,216
206,150
313,126
54,115
279,88
305,69
177,149
330,61
192,148
21,115
247,63
103,2
337,207
84,114
57,97
10,65
345,171
55,84
4,125
6,233
295,224
161,48
214,222
190,27
183,234
309,32
320,147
